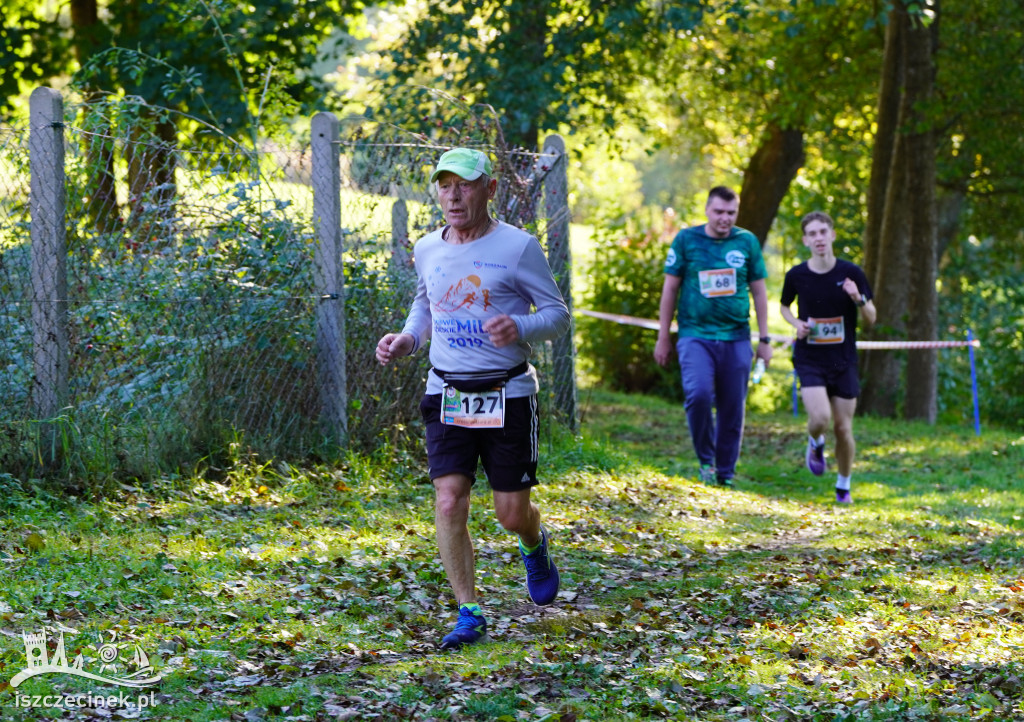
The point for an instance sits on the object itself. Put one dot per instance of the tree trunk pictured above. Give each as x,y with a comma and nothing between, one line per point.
101,196
150,156
904,257
766,180
885,143
922,364
882,369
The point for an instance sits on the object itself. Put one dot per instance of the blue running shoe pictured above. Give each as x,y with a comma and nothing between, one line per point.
816,458
470,628
843,496
541,574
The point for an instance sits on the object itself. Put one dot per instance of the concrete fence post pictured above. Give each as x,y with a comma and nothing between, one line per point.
556,207
400,256
329,277
49,266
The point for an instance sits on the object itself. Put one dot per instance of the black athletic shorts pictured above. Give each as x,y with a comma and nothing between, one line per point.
841,382
508,454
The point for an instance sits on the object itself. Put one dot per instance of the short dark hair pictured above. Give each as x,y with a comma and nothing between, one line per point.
821,216
726,194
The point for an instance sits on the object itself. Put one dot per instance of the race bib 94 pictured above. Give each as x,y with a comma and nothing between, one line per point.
826,330
473,409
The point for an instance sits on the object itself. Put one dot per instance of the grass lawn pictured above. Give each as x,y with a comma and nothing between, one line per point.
278,592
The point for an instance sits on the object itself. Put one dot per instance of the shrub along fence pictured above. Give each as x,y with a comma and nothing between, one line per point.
164,307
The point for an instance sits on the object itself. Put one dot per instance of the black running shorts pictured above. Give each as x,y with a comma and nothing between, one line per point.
508,454
841,382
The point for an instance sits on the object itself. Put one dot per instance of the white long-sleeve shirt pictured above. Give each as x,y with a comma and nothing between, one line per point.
461,286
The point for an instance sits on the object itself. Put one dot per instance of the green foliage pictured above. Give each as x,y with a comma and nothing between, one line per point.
244,69
982,284
185,334
812,70
977,111
32,49
192,325
541,63
625,275
604,176
379,288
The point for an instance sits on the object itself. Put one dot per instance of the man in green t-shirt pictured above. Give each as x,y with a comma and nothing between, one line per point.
710,273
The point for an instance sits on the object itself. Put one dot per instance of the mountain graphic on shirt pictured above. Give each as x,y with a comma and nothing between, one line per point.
464,294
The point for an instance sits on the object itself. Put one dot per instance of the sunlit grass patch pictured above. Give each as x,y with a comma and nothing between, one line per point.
283,592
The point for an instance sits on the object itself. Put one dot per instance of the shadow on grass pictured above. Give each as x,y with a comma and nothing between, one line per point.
679,600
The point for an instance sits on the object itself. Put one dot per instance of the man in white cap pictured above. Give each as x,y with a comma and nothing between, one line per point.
477,281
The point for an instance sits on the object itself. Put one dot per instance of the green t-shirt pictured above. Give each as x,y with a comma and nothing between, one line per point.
714,297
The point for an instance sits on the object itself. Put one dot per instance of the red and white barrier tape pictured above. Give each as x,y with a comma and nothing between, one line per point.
624,320
787,340
916,344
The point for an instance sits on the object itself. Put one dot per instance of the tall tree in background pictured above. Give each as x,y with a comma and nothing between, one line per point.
542,63
948,149
234,68
763,80
752,79
901,236
90,36
916,151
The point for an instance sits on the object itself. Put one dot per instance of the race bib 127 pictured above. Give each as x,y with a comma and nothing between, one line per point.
473,409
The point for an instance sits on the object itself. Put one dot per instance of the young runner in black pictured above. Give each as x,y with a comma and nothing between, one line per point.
832,293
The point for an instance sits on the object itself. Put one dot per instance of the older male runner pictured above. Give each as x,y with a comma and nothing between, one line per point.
477,280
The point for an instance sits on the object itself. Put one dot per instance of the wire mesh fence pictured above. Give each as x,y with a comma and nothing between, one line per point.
15,274
174,314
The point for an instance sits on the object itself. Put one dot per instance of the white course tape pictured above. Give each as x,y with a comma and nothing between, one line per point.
916,344
787,340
